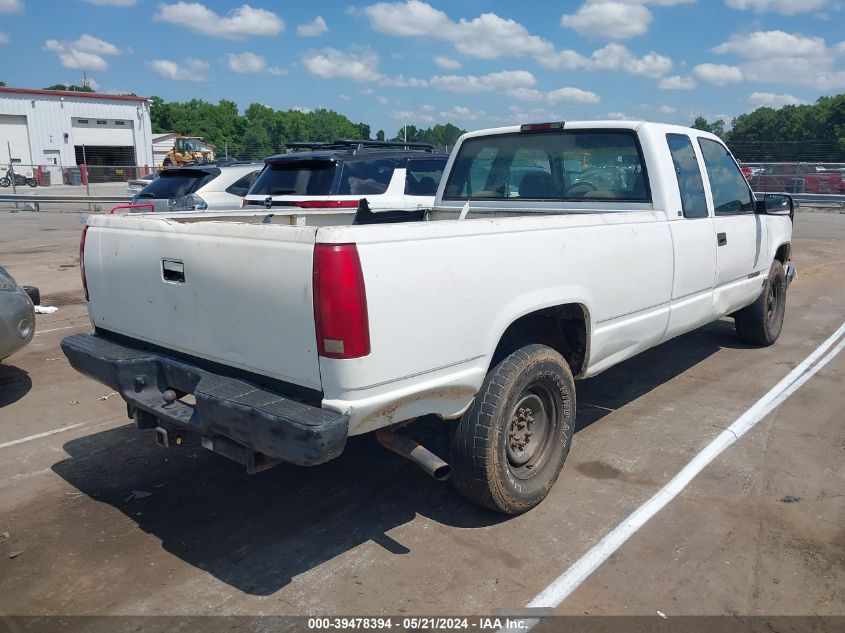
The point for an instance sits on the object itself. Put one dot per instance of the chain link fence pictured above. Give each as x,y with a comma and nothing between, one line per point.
796,178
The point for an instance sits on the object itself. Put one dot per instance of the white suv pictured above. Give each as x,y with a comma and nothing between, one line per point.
199,188
338,175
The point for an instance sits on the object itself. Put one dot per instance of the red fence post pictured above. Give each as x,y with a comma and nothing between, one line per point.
40,177
84,171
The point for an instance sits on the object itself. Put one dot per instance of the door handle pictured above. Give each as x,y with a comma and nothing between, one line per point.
173,271
721,239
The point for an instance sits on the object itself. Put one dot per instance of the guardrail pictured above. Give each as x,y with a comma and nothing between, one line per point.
37,199
816,199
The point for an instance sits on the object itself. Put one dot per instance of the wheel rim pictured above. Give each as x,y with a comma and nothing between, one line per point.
531,425
773,301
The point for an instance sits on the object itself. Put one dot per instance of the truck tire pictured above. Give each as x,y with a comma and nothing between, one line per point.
761,322
34,294
509,447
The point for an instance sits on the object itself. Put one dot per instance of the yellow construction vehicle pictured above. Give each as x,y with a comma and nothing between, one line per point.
187,149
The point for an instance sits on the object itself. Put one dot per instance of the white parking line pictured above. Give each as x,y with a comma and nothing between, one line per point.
56,329
69,427
576,574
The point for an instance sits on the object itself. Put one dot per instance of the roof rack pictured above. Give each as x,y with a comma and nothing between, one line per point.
357,145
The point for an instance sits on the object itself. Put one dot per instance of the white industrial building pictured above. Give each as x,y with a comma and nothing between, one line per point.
58,129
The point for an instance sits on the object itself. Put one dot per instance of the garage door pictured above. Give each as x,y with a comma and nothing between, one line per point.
103,132
13,131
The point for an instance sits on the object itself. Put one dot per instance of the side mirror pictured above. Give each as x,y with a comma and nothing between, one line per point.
776,204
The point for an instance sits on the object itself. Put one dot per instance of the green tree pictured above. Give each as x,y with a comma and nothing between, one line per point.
70,88
380,135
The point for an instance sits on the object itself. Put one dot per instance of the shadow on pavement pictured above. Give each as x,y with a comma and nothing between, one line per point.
629,380
15,383
256,533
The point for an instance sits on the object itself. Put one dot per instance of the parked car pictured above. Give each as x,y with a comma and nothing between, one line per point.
390,175
199,188
133,187
17,314
273,341
798,178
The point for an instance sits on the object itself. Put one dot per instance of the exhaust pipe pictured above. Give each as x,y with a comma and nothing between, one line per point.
790,274
417,453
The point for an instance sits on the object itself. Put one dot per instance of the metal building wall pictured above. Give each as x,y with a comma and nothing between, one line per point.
49,120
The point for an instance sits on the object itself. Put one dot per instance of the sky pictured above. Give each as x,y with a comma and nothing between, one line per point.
473,63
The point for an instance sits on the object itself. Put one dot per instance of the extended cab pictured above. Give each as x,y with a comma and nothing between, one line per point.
552,252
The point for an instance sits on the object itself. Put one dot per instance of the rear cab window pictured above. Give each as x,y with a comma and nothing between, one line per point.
176,183
568,165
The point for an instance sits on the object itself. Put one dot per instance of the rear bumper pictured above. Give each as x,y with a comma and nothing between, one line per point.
254,417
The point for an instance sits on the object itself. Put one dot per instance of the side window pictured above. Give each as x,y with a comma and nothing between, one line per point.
365,177
241,186
423,175
689,176
731,194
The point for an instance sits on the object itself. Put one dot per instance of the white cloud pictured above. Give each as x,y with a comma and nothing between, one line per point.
344,97
566,95
447,62
313,29
113,3
4,38
769,44
189,70
784,7
488,36
618,116
609,20
250,63
241,23
611,57
86,53
772,100
665,109
572,95
676,82
787,58
717,74
11,6
491,82
329,63
461,113
382,100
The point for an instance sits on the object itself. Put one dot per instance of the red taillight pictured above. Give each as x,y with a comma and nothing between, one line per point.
82,260
340,302
326,204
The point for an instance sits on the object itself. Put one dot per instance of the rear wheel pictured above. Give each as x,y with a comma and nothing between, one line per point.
761,322
5,182
32,182
509,447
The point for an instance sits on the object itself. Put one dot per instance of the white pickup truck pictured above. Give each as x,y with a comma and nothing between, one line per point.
553,252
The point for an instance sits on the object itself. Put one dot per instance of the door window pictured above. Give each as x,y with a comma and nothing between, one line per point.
688,172
731,194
